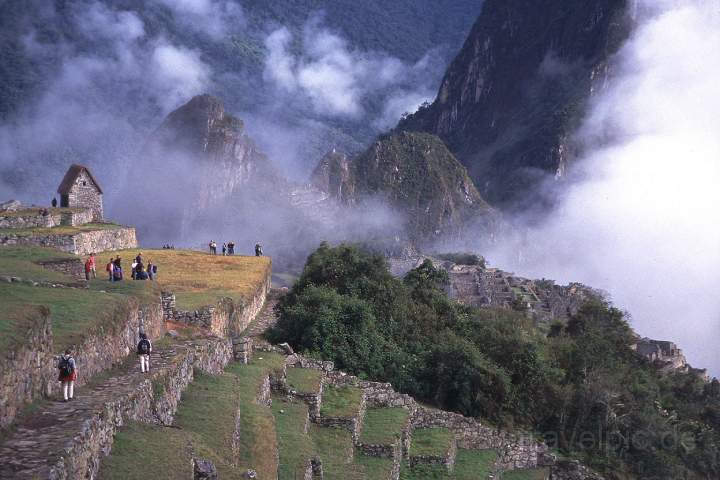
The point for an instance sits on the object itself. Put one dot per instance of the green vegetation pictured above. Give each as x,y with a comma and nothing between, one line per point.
304,380
23,262
340,402
294,445
532,474
382,426
462,258
74,312
469,465
333,446
473,464
431,441
204,424
579,385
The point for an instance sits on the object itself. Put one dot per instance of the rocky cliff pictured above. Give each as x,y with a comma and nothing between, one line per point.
513,95
416,174
215,143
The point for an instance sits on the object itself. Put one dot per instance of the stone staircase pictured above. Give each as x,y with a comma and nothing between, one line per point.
65,440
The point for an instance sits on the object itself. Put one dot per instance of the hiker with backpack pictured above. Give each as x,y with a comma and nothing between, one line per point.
68,375
144,349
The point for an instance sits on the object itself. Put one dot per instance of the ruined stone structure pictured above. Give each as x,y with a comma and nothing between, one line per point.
667,357
79,189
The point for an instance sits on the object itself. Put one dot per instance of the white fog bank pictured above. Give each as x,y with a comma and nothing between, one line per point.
644,223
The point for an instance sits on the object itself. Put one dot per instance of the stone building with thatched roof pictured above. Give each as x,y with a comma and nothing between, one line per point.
80,189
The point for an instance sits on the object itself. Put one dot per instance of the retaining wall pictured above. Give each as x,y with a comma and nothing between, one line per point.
29,367
82,243
145,404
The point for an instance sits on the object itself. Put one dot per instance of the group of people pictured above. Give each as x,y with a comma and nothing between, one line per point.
68,371
139,269
229,248
168,246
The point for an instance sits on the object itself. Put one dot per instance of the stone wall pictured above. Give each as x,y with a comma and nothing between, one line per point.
78,217
147,403
572,470
72,267
82,243
224,319
27,373
105,240
31,220
29,368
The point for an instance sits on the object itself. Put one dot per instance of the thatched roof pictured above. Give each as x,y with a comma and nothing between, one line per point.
69,180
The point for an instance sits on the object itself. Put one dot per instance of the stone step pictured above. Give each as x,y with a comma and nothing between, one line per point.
65,440
343,407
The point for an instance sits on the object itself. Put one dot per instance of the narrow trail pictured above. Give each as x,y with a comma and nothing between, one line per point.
39,441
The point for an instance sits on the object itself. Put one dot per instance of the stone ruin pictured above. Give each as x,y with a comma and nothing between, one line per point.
667,357
80,189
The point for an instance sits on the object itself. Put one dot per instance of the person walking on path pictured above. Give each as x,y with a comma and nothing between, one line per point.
231,248
68,375
258,250
213,247
93,268
224,249
144,349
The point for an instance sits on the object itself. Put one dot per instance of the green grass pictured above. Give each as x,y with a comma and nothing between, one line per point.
304,380
22,262
340,402
295,446
142,452
258,440
425,472
532,474
375,468
382,426
474,464
335,448
74,312
430,441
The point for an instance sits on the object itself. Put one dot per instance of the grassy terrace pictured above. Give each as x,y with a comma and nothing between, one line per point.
205,425
382,426
469,465
430,441
76,311
199,279
60,230
332,445
304,380
533,474
22,262
29,212
340,402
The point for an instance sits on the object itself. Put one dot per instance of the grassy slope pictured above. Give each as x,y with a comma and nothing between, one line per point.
304,380
199,279
204,425
333,446
21,262
430,441
382,426
341,402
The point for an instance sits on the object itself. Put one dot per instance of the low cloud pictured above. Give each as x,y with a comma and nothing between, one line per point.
338,80
214,18
643,223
